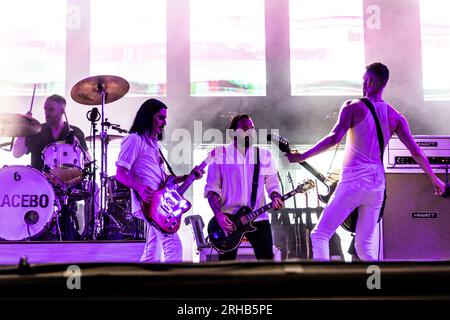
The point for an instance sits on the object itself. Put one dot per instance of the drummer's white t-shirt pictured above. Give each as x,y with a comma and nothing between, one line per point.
140,156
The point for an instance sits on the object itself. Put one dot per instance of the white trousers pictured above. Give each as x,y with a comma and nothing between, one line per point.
157,243
367,194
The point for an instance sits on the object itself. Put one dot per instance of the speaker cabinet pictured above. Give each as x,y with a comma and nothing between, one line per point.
416,223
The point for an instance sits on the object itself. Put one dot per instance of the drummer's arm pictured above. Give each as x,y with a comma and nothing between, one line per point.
19,148
87,156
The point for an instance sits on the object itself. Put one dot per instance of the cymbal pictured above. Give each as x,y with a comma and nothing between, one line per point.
109,138
88,91
18,125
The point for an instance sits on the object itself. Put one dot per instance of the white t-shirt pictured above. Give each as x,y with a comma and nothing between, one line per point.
232,179
140,156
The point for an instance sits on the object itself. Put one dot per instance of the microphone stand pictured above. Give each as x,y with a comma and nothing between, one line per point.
92,116
104,159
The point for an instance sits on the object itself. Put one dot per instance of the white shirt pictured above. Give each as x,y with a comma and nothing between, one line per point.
140,156
231,177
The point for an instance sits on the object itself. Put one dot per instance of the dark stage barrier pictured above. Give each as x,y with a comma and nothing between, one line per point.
288,280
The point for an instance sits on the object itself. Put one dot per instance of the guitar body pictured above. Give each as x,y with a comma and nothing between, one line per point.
227,242
166,208
326,197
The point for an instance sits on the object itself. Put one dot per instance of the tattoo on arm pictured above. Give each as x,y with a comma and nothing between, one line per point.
214,201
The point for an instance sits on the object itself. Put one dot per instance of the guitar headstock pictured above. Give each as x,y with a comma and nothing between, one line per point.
290,178
212,154
282,142
305,186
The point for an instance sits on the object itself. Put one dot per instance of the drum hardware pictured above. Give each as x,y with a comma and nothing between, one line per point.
7,144
100,90
123,224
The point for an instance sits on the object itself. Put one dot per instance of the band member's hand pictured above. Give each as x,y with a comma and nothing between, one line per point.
439,186
277,202
295,156
198,172
75,140
224,222
146,193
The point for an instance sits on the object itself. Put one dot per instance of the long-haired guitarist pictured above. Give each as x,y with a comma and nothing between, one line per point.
140,166
362,184
230,181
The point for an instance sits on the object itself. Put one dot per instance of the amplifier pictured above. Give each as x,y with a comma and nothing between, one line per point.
397,158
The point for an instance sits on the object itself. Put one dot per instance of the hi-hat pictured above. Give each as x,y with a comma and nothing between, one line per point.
109,138
89,91
18,125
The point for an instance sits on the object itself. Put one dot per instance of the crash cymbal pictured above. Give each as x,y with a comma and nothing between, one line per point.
18,125
88,91
109,138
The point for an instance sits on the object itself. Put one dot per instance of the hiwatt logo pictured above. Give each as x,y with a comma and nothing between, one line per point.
427,144
424,215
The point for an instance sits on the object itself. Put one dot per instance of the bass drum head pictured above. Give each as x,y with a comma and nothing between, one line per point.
27,202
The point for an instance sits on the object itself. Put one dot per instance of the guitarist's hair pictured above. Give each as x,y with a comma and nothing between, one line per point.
143,121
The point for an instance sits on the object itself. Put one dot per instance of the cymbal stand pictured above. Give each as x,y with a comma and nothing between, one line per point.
103,166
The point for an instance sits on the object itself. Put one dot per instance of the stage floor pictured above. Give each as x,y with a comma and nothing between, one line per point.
37,252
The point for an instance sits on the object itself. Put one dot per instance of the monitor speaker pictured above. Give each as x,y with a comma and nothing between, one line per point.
416,223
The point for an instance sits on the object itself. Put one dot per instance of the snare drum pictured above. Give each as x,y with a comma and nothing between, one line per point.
63,163
27,203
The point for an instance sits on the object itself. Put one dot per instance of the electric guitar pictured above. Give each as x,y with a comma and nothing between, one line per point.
330,182
168,205
224,242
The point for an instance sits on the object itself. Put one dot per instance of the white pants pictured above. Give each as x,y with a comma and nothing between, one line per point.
367,194
157,242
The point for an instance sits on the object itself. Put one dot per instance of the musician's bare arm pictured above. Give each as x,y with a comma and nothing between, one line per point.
334,137
124,177
19,148
214,202
405,136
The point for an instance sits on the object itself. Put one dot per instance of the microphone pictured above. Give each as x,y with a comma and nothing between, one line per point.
117,128
93,115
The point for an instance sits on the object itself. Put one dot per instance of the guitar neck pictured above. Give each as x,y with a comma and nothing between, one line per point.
313,171
190,179
255,214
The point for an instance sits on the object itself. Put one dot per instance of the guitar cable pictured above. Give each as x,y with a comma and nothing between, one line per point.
379,239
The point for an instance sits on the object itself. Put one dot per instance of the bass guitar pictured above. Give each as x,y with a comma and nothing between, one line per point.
168,205
242,222
330,182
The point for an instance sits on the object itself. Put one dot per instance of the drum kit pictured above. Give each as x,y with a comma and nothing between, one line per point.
32,202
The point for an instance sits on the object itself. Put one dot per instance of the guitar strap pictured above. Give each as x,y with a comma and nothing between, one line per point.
167,163
255,180
381,143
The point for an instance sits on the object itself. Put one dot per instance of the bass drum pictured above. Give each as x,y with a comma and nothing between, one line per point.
27,203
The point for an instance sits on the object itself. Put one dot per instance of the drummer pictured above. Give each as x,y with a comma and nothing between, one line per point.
54,129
